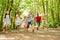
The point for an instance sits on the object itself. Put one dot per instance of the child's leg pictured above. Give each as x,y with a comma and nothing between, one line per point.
32,26
25,27
18,27
28,26
5,28
38,23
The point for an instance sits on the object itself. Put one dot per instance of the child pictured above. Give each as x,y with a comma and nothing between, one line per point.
31,18
25,22
18,20
29,22
38,20
7,22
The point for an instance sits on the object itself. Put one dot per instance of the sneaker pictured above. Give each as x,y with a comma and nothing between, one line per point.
33,30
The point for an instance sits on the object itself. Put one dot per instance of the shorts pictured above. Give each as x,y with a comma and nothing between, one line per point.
17,23
38,23
29,23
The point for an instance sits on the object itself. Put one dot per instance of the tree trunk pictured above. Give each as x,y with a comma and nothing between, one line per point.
44,13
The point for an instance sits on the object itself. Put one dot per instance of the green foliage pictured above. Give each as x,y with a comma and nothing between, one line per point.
49,7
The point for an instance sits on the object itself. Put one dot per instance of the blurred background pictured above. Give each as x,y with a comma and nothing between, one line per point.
48,9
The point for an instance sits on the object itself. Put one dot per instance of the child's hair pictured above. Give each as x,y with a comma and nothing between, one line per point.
27,16
24,16
19,12
37,13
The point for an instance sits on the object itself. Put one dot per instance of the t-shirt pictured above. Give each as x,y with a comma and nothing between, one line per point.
29,20
31,16
38,18
18,18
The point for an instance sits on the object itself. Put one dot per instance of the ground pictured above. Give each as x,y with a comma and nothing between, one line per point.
43,34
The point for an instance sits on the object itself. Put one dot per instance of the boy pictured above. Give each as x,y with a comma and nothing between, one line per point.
38,20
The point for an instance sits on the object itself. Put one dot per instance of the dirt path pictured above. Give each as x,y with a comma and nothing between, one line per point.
39,35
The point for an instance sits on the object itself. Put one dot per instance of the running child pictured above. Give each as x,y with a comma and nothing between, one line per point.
25,22
31,19
18,20
38,20
7,22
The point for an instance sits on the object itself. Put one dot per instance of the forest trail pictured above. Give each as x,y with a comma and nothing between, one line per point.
50,34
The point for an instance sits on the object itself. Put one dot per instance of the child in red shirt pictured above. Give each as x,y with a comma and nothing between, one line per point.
38,20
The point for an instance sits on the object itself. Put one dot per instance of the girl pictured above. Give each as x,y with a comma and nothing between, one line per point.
25,22
7,22
18,20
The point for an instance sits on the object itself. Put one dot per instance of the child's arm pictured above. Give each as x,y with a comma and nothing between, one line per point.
20,17
3,19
